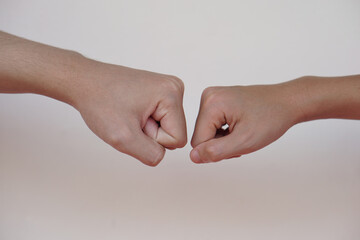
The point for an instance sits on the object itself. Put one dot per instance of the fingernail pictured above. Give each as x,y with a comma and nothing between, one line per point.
195,156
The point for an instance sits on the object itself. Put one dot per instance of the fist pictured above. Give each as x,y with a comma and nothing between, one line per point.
137,112
255,116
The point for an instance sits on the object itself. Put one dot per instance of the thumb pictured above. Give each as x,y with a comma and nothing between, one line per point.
167,125
142,147
216,149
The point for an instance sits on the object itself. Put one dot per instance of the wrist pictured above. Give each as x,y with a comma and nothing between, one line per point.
72,83
87,81
317,98
296,93
72,80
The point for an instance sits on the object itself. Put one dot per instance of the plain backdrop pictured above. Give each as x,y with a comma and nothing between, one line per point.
59,181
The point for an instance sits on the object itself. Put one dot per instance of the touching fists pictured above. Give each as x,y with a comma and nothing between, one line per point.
140,113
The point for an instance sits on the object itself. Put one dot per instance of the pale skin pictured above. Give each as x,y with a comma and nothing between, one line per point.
137,112
140,113
259,115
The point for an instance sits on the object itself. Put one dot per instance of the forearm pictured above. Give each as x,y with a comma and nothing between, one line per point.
30,67
326,97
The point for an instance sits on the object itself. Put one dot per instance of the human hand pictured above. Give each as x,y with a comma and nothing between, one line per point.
124,106
256,116
137,112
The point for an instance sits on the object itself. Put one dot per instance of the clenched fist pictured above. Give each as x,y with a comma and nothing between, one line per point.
137,112
255,115
258,115
140,113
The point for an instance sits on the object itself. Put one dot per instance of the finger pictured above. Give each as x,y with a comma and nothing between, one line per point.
217,149
151,128
137,144
209,121
172,130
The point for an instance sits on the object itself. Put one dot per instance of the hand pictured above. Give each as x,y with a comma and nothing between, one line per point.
137,112
256,116
140,113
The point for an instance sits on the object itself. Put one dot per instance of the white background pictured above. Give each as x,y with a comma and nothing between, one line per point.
59,181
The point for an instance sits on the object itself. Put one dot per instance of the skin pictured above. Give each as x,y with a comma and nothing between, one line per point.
139,113
259,115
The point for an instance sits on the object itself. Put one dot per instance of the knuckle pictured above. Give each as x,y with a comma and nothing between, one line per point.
208,91
120,140
178,82
149,154
176,143
181,142
174,84
194,142
213,113
211,95
157,157
210,153
113,140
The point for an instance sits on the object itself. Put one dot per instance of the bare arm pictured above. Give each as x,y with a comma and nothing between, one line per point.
327,97
259,115
139,113
30,67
